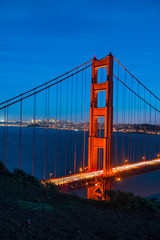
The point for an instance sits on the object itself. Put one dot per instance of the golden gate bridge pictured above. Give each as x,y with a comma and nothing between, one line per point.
100,124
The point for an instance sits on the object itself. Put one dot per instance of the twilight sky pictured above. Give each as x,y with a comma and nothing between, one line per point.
39,40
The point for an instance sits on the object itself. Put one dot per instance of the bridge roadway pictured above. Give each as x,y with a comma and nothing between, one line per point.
87,179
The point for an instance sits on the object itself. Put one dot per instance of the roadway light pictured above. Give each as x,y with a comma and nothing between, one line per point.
158,155
118,179
50,175
126,161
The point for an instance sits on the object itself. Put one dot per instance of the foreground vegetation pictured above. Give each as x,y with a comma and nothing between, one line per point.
30,211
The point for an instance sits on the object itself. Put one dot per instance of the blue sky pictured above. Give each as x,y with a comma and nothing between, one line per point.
42,39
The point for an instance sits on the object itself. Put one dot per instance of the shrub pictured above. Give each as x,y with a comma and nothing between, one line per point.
52,186
21,176
128,201
3,168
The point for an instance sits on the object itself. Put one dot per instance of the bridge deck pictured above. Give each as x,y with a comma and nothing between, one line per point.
121,171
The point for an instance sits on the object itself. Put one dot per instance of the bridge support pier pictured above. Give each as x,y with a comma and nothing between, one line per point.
97,192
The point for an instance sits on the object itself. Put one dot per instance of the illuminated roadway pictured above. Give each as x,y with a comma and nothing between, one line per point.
99,173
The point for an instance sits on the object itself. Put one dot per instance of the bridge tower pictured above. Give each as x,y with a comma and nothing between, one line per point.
106,143
95,142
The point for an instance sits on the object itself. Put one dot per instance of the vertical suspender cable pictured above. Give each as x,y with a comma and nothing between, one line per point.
135,128
129,138
76,102
20,135
122,126
82,123
156,131
66,128
45,134
34,122
4,136
84,120
125,100
138,127
131,148
150,130
140,152
60,102
7,135
56,129
116,113
117,104
71,126
144,122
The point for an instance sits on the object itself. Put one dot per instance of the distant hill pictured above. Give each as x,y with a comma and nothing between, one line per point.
155,196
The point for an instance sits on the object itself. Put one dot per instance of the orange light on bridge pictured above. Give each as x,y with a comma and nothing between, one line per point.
143,158
50,175
158,155
118,179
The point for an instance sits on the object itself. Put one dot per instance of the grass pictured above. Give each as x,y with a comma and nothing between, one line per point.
34,205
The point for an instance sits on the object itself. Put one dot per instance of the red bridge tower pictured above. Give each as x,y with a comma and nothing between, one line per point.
106,143
95,142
